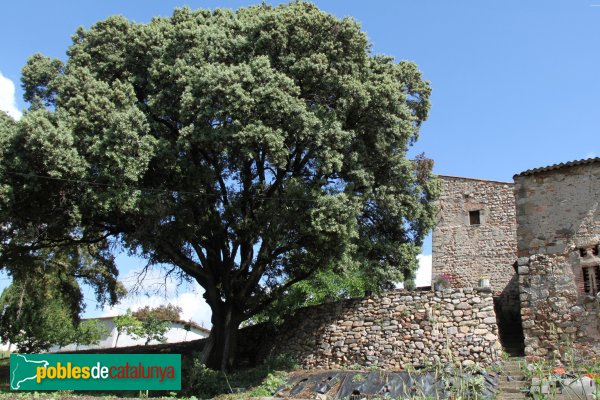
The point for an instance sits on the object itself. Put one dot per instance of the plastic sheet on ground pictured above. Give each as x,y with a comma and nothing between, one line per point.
357,385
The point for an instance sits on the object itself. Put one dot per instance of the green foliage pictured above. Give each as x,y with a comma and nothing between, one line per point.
41,307
44,71
156,321
129,324
260,381
168,312
34,321
89,332
247,149
153,329
324,286
147,323
269,385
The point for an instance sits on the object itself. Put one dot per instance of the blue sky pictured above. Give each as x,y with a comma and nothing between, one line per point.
516,84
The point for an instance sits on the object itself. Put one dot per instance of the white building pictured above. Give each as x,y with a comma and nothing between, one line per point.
180,331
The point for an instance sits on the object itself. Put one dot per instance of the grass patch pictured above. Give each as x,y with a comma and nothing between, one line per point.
261,380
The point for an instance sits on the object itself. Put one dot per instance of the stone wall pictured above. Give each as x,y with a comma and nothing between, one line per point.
557,210
393,331
559,231
466,251
469,251
557,318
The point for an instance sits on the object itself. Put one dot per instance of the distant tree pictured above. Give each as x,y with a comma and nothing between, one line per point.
127,324
36,320
153,329
168,312
41,307
246,150
89,332
157,321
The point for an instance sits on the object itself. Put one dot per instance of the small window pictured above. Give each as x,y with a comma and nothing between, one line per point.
591,280
474,217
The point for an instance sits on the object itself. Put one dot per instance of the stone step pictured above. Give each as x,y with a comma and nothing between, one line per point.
512,368
515,376
512,375
511,391
511,388
511,379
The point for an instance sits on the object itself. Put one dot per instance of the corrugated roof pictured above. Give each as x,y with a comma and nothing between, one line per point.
559,166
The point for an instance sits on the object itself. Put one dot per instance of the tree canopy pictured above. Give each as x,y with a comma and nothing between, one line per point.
129,324
156,321
89,332
42,305
34,321
246,150
165,312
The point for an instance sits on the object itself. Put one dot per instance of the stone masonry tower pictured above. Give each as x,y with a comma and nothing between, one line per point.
476,237
476,233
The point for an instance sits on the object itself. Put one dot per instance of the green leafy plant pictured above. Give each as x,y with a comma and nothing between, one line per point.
129,324
89,332
272,382
208,383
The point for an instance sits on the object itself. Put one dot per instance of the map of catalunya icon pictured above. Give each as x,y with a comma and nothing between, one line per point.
27,368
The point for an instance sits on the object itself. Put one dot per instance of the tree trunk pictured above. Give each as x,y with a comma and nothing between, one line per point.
220,347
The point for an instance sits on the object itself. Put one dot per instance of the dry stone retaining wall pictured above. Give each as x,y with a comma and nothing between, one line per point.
394,330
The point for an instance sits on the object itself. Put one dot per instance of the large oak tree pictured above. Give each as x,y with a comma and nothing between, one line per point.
243,149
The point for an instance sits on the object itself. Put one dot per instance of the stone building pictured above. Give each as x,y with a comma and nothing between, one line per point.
475,237
538,241
558,230
476,233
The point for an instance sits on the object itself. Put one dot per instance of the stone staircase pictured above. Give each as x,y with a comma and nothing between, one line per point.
511,379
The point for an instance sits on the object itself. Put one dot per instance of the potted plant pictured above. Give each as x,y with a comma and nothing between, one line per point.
442,281
484,281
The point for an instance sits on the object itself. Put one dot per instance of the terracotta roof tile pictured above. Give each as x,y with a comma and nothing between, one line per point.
559,166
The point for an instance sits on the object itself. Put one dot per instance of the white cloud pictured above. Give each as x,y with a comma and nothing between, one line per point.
155,290
424,272
590,155
8,102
